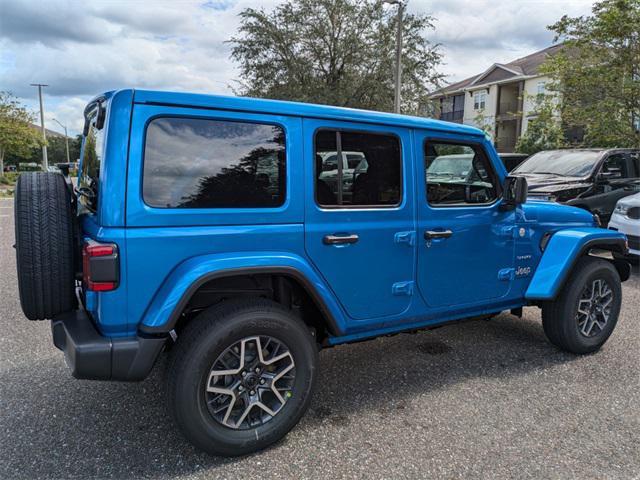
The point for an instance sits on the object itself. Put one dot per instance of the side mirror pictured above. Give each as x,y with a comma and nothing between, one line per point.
514,191
64,168
610,173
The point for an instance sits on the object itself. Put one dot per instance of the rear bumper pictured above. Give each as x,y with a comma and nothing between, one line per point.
92,356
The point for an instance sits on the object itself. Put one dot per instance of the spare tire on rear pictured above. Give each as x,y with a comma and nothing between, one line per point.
44,245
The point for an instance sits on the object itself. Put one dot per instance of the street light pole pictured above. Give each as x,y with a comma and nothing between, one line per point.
398,69
66,138
45,161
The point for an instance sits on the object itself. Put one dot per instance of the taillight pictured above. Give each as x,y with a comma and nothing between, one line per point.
100,266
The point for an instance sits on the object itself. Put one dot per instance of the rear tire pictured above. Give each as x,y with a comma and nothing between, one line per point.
213,421
44,245
593,288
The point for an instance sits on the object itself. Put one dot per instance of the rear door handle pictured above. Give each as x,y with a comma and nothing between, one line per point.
340,239
434,234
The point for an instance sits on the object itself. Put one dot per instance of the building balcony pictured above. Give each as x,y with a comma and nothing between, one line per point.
456,116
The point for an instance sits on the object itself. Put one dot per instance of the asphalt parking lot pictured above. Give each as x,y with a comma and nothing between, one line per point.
484,399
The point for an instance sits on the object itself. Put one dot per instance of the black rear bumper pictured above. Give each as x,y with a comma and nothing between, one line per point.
92,356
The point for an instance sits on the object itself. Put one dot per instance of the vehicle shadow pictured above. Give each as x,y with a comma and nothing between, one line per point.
58,427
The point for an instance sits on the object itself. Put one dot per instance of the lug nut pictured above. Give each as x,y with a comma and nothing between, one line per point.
244,374
257,369
252,392
262,381
240,388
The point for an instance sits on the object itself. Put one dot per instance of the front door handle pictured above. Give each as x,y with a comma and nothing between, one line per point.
340,239
435,234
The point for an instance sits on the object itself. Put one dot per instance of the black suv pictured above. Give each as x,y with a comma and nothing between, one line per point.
593,179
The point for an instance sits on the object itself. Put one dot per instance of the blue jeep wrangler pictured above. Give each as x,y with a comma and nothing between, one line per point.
240,236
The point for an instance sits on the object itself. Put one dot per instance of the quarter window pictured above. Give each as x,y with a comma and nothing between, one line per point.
357,169
92,151
458,174
201,163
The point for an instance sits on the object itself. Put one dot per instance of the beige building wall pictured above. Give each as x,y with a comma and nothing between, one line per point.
529,102
489,112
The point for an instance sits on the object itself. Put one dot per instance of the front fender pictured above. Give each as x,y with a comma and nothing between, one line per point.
169,301
562,251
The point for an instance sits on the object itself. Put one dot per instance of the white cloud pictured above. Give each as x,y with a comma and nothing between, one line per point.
83,48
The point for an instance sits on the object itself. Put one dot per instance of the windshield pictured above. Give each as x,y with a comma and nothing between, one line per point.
92,151
451,165
569,163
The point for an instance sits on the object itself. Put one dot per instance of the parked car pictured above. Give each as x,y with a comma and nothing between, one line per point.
463,171
10,168
197,231
512,160
626,219
593,179
353,164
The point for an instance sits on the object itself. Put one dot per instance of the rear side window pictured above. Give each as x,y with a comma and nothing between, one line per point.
357,169
201,163
458,174
92,152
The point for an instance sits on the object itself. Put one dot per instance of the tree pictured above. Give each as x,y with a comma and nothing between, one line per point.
336,52
16,134
483,122
57,149
597,74
544,131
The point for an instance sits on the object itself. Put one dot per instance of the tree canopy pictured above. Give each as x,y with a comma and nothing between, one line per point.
598,73
544,131
336,52
16,134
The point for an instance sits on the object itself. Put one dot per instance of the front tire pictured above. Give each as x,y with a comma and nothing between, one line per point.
583,316
241,376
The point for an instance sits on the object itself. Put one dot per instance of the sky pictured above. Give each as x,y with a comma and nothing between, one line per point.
83,48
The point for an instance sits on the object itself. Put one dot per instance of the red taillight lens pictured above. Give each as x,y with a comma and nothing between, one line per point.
100,266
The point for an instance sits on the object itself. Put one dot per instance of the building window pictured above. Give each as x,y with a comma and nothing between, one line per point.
480,100
357,169
541,88
202,163
447,105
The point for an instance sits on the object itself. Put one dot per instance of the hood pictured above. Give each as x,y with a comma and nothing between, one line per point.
553,183
631,200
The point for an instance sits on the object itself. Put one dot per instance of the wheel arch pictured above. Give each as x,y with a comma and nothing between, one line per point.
186,281
563,251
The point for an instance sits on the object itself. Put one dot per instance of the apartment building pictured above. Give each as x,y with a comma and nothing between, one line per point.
502,97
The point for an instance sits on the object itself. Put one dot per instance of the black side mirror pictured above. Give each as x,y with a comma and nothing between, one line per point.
610,173
514,191
64,168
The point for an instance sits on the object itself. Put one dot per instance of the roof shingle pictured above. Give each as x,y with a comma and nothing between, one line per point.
525,66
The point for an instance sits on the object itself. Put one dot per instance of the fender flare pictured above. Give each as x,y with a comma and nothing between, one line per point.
562,252
169,301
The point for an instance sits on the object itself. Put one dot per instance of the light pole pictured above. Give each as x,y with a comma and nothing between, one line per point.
45,161
66,137
398,72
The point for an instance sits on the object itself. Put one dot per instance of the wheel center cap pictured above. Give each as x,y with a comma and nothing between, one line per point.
251,380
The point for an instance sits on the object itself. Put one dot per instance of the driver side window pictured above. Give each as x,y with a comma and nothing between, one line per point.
458,174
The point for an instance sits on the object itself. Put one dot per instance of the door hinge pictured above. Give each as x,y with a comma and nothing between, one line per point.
507,274
402,288
405,237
